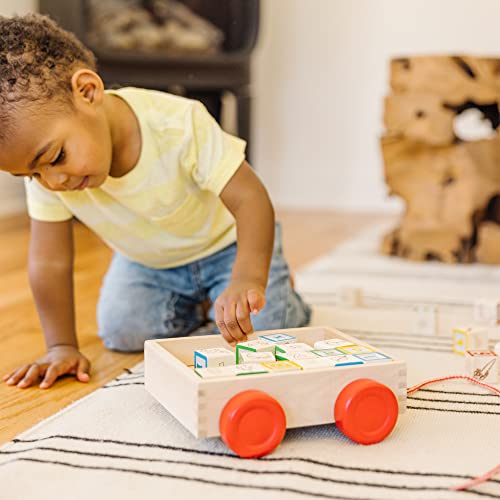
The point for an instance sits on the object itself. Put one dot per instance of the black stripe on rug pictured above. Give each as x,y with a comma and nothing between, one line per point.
454,401
451,410
219,467
243,486
232,456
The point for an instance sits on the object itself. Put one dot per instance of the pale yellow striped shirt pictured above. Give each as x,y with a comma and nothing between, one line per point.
166,211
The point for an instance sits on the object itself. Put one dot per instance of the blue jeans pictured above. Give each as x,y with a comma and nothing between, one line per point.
139,303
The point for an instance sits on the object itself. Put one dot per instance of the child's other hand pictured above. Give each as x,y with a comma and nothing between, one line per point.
59,360
233,308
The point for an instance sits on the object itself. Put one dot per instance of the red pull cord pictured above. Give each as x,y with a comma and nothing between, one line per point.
478,480
415,388
491,473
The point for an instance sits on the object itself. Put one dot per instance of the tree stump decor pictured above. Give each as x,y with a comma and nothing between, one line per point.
441,153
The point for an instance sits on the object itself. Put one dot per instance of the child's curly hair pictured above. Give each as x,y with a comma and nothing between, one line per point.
37,60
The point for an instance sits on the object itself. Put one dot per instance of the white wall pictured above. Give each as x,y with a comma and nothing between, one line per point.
320,77
321,72
9,7
11,189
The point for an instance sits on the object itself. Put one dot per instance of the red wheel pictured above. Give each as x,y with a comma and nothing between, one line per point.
366,411
252,424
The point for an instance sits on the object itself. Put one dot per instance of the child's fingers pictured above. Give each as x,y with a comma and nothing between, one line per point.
17,375
82,373
50,377
232,324
256,300
243,317
221,325
31,376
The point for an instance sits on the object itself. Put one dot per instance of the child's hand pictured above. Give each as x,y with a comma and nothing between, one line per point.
233,308
59,360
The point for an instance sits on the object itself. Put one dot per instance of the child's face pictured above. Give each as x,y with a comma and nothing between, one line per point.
65,149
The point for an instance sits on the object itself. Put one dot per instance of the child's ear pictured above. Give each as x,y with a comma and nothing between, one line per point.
87,87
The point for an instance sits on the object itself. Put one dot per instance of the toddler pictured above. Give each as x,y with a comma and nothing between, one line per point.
158,180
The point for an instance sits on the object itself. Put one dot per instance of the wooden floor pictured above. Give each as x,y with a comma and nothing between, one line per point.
306,236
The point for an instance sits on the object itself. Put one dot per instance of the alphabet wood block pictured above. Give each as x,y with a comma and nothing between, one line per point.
465,339
482,365
258,345
217,356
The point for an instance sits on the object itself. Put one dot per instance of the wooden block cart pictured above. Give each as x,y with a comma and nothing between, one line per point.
251,413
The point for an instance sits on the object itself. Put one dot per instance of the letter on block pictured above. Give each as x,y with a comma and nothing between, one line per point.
465,339
295,356
255,357
279,338
355,349
331,343
281,366
482,365
290,348
212,357
258,345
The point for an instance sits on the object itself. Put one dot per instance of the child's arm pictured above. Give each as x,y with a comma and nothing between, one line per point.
51,279
247,199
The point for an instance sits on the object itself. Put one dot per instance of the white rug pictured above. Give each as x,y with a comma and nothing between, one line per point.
120,443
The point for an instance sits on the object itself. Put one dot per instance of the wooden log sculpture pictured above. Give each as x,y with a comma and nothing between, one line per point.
441,154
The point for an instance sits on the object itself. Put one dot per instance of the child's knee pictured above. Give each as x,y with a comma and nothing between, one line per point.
118,337
125,329
298,313
292,312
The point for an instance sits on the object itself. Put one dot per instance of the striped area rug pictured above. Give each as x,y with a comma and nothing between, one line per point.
120,443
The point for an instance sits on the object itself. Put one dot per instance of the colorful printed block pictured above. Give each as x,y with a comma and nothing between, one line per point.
214,356
290,348
258,345
331,343
255,357
279,338
370,357
465,339
281,366
295,356
323,353
250,369
355,349
312,363
487,311
344,360
216,371
482,365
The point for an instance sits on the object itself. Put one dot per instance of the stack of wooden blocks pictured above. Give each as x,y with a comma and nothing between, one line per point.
280,352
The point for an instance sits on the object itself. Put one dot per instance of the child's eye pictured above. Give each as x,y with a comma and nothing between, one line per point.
60,157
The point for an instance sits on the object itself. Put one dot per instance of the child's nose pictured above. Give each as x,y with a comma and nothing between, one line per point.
56,180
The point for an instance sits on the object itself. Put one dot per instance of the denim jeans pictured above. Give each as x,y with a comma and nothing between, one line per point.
139,303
